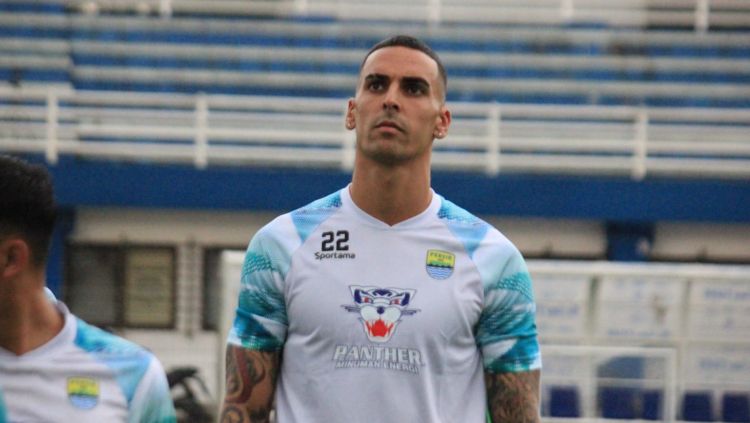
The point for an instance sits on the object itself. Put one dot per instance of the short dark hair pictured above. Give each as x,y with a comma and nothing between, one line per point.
413,43
27,205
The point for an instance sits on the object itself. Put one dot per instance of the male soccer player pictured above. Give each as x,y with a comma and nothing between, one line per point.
385,302
53,366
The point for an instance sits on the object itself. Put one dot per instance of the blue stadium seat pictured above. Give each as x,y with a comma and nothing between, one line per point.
735,407
652,405
563,402
697,407
618,402
32,7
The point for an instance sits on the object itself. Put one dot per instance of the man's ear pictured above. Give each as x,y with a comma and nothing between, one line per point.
350,122
14,257
443,122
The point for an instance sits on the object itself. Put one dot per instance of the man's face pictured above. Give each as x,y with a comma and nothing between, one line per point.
398,109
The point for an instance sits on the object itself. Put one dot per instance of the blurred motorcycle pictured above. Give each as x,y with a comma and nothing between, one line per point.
187,388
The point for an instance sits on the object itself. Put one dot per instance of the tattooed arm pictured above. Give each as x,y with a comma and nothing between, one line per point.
513,397
250,385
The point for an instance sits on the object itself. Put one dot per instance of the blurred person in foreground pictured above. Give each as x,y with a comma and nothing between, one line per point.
385,302
53,366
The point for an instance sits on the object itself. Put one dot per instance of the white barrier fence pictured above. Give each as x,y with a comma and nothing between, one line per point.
308,132
578,370
686,326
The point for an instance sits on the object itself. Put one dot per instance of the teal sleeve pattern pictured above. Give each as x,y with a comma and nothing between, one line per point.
3,412
137,371
127,360
506,331
307,218
260,322
155,403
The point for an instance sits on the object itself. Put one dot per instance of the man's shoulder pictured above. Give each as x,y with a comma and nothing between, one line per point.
274,244
136,370
455,214
331,201
99,342
303,220
473,231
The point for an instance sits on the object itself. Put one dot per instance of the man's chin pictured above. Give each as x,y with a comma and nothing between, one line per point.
384,156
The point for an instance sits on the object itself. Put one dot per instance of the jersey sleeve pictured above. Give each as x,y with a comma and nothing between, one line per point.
3,412
152,402
506,332
260,321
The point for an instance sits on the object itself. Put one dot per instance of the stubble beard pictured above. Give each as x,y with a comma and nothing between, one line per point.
389,149
385,150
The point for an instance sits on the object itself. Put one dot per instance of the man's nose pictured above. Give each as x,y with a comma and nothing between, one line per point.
391,100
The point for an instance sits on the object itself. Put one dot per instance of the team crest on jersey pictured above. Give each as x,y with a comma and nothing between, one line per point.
380,309
83,392
440,264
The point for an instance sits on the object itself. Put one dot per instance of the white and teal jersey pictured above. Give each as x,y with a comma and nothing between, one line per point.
3,411
84,375
384,323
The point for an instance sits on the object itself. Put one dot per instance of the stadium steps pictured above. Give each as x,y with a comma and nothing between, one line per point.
516,65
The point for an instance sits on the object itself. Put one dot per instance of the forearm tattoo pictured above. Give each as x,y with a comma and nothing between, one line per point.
250,384
513,397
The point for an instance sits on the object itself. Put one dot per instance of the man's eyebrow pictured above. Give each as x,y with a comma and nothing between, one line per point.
376,77
415,80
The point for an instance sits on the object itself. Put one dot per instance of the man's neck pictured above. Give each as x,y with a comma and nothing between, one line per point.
28,320
391,195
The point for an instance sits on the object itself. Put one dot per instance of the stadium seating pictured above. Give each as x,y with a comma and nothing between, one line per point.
652,405
273,63
735,407
619,403
697,407
34,60
631,403
564,401
258,55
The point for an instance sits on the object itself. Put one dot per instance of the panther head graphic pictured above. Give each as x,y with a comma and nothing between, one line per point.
380,309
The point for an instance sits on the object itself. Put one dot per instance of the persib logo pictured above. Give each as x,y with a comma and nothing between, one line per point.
83,392
440,264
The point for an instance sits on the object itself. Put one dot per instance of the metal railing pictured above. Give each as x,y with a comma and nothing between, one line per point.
493,138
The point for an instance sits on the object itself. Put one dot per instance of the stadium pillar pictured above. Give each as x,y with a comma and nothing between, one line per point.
629,241
56,258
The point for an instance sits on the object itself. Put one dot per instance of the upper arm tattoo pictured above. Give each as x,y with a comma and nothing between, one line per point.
513,397
250,384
